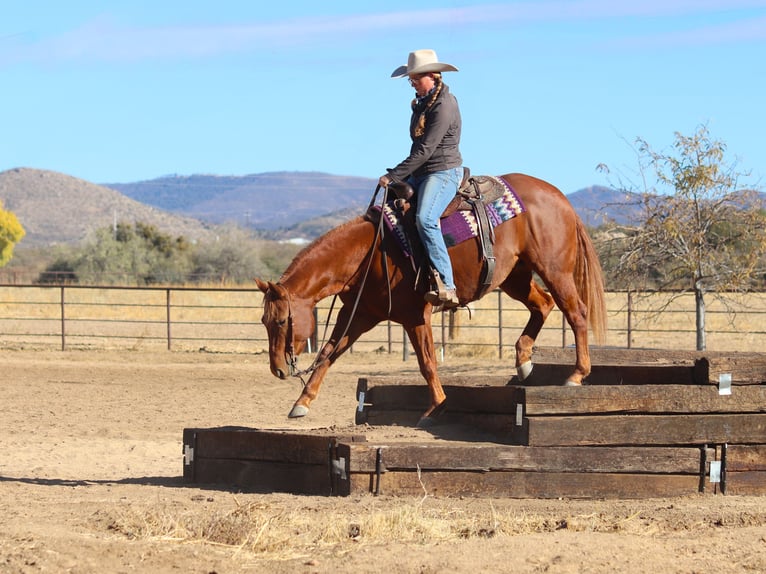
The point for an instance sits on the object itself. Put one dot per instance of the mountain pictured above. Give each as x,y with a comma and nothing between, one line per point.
597,205
57,208
288,204
265,201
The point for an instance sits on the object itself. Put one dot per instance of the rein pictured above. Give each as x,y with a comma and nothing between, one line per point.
317,362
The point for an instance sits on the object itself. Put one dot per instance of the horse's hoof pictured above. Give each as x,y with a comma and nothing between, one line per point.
298,412
426,423
571,383
524,370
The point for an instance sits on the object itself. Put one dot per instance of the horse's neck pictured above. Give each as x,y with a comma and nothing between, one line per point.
326,266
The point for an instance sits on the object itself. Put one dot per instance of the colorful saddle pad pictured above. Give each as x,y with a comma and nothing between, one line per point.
461,225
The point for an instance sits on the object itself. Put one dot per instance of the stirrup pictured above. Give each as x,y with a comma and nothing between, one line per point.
446,298
439,294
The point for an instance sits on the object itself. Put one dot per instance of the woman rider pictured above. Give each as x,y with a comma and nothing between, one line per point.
434,166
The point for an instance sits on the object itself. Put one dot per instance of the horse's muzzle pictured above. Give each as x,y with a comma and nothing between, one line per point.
287,369
279,373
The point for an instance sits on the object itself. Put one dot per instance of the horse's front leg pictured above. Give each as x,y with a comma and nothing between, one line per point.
422,340
334,348
311,389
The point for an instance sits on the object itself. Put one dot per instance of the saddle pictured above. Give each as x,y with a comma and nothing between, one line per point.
472,195
472,188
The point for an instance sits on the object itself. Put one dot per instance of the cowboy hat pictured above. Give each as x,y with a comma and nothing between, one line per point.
422,62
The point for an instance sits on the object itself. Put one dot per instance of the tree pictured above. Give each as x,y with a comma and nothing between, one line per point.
699,230
11,232
127,253
234,257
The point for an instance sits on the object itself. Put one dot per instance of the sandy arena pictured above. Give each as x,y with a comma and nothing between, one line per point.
90,482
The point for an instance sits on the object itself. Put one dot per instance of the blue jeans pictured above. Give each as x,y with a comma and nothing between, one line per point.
434,192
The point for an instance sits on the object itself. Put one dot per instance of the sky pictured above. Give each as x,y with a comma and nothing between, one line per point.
125,91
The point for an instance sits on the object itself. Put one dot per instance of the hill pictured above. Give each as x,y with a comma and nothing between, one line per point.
291,204
597,205
266,201
57,208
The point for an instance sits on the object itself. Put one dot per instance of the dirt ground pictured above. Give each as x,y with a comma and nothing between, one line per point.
90,481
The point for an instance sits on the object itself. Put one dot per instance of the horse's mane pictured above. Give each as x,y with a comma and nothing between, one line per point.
333,236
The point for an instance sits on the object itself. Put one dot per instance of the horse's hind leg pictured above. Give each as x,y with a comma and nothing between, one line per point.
575,311
521,286
422,341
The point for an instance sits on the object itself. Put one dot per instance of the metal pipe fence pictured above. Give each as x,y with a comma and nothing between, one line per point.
228,320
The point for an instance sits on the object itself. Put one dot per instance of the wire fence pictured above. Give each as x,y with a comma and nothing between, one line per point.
228,320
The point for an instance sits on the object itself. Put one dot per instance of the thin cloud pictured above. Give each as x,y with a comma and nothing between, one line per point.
104,40
752,30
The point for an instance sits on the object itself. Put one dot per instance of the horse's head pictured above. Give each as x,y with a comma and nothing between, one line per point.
289,323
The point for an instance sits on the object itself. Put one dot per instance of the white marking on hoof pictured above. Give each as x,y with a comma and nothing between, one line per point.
298,412
524,370
571,383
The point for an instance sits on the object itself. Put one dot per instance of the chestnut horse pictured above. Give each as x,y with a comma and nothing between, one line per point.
549,240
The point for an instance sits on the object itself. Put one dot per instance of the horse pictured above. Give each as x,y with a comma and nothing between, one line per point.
374,284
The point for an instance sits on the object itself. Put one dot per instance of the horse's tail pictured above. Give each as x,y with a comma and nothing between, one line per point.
590,283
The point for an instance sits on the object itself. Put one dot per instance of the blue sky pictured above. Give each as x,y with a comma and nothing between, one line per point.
125,91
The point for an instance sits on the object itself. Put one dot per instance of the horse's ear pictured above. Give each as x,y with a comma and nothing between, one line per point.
275,289
278,290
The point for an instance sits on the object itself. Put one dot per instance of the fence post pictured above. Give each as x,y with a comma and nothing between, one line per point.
563,331
444,333
405,346
314,341
63,320
167,315
630,318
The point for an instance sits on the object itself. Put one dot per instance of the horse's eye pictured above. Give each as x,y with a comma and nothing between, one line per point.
282,322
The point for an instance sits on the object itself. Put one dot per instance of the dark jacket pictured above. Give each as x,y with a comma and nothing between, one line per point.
438,148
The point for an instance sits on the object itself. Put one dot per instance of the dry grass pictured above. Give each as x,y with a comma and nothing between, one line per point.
279,531
273,531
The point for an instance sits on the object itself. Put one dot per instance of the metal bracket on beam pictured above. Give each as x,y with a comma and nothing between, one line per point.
188,454
339,467
724,384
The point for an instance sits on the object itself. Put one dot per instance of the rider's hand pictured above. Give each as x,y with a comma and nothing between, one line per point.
384,181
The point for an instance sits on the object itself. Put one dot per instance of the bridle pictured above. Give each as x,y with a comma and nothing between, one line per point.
290,335
290,341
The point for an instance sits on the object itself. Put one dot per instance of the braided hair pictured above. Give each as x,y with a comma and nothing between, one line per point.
420,128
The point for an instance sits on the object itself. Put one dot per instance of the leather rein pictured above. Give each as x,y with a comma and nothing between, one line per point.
317,362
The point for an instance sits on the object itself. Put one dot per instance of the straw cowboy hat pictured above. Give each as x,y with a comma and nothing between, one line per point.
422,62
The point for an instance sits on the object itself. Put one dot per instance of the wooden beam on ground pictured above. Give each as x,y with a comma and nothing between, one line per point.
525,484
548,374
407,456
253,444
745,368
741,457
265,476
557,374
744,468
645,430
649,399
403,405
264,461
